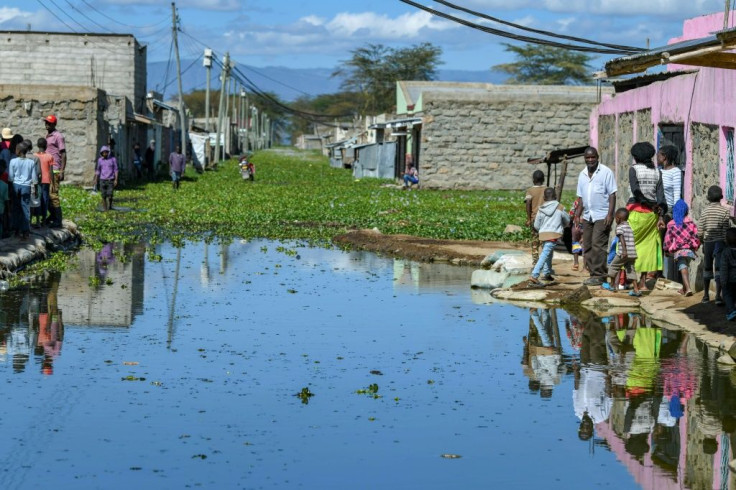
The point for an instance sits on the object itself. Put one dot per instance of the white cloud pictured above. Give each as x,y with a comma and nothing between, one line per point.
405,26
8,14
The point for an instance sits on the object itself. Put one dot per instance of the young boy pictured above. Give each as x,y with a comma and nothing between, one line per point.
728,274
712,226
550,221
625,254
107,175
47,163
533,199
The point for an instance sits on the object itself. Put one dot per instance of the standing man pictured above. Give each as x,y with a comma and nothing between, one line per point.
177,163
56,147
148,158
597,192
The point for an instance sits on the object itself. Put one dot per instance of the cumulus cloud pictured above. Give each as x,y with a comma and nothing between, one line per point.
14,15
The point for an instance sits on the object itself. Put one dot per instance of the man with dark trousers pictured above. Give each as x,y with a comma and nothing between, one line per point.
597,191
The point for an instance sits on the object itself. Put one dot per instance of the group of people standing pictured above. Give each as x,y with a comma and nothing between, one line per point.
652,229
29,182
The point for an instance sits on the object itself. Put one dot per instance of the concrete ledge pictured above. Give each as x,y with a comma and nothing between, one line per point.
16,254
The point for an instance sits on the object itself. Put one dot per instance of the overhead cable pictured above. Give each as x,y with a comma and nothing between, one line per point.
538,31
517,37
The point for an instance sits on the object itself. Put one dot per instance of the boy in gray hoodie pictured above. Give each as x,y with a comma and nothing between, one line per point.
550,221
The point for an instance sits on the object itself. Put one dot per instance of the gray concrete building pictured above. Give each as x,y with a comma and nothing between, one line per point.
479,136
94,83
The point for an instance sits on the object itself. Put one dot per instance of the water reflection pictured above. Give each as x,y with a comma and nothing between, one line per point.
652,396
32,328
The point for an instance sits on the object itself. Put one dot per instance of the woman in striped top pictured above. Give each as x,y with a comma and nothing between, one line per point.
671,175
714,221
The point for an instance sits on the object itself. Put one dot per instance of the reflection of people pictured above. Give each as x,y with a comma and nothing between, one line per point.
543,354
591,400
103,258
50,329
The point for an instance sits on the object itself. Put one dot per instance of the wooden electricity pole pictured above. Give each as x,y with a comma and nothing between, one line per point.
223,84
182,116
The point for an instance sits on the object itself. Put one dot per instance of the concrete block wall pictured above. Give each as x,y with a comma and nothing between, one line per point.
113,63
482,140
82,119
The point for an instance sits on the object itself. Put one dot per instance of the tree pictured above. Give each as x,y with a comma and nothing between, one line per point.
546,65
373,70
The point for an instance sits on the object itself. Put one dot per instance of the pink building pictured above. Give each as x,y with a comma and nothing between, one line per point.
692,107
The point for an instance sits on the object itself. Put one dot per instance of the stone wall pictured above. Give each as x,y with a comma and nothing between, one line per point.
706,153
115,63
83,119
483,140
623,158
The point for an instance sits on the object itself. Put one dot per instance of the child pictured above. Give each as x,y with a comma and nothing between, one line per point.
107,175
681,241
712,226
410,176
47,163
534,198
728,273
577,237
36,218
625,254
22,173
550,220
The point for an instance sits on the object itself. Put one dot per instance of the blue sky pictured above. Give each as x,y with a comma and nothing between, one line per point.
320,33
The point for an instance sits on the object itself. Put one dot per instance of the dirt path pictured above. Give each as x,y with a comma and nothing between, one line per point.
706,320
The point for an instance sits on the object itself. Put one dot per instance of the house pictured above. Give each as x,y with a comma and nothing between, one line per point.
689,106
480,136
98,93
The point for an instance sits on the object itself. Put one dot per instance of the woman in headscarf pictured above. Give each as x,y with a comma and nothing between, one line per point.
646,207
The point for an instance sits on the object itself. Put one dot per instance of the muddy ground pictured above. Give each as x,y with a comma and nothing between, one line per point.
472,252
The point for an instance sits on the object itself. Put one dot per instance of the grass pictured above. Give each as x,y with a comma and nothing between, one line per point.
296,195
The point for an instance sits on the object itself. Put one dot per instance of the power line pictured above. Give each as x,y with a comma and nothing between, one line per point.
517,37
88,18
537,31
121,23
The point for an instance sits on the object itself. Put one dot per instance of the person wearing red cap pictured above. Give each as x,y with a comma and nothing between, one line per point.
56,147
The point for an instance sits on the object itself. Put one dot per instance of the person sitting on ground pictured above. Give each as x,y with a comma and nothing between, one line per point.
728,274
681,241
550,221
411,177
107,175
712,226
625,254
533,199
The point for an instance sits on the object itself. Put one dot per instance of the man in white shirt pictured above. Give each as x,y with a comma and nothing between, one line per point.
597,190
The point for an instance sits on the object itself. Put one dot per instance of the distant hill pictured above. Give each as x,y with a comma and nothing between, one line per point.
287,83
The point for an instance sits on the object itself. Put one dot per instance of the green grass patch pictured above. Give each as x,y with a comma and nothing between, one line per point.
296,195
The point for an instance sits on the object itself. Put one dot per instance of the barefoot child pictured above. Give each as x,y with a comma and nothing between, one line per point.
533,199
577,237
550,221
681,241
625,254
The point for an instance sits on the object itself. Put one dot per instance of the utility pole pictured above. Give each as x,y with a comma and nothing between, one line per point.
182,116
223,80
207,62
246,112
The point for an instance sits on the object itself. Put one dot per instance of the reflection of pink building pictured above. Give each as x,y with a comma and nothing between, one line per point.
691,107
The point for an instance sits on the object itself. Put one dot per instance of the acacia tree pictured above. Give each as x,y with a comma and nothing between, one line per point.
546,65
373,70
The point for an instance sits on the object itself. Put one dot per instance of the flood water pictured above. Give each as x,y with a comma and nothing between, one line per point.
134,372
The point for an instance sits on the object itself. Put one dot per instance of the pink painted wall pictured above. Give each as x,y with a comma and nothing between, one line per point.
702,97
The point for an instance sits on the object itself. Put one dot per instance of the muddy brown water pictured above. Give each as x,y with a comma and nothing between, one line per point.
185,372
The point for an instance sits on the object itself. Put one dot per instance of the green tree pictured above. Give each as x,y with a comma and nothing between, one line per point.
546,65
373,70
